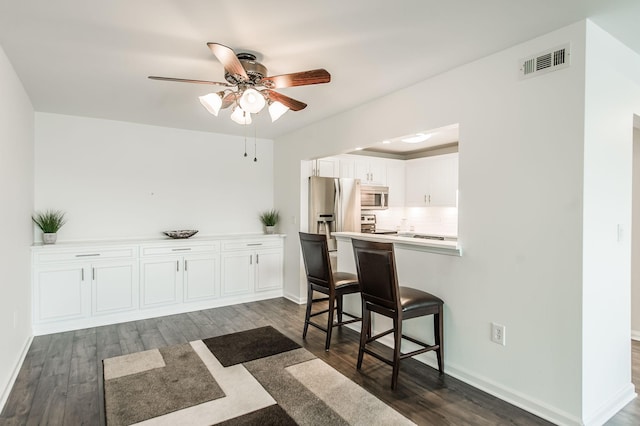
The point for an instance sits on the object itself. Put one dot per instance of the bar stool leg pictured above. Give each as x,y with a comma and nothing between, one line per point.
438,331
364,333
397,333
329,323
308,314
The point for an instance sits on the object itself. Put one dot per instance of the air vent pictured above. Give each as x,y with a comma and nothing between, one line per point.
544,62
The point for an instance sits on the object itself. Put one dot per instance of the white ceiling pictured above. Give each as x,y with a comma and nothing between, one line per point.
92,58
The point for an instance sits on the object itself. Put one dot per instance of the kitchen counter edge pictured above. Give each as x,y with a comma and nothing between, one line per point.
450,248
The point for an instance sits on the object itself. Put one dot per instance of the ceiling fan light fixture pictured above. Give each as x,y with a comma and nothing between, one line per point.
241,116
417,138
212,102
252,101
277,110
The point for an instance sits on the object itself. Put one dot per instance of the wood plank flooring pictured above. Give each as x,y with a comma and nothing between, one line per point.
60,382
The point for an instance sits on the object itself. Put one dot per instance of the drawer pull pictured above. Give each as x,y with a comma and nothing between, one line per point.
255,244
181,249
177,266
88,255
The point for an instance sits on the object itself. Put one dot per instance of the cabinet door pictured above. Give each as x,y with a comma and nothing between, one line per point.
268,270
61,293
377,172
201,277
328,167
361,170
237,273
161,281
416,182
443,180
115,287
395,182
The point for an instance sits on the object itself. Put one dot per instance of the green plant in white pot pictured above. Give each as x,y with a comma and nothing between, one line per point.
270,219
49,222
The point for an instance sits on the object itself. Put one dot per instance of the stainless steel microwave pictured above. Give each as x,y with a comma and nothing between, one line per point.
374,197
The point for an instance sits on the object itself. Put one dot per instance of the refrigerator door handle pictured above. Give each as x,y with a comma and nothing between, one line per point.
337,210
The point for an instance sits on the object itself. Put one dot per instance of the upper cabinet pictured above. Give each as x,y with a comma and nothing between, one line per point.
370,171
432,181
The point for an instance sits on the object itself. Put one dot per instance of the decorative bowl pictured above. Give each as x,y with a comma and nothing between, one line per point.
183,233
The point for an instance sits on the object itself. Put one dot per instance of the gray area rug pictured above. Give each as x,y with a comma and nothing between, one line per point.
263,378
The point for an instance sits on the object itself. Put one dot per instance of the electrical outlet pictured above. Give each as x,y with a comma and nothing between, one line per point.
498,334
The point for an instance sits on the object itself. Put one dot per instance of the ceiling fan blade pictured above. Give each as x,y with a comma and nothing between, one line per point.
302,78
228,59
185,80
285,100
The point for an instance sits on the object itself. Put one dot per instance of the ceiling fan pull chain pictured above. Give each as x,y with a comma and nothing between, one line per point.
255,144
245,141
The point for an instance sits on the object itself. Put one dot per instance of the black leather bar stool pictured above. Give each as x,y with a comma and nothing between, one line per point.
321,278
375,263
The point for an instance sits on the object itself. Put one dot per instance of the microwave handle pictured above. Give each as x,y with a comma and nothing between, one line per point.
383,200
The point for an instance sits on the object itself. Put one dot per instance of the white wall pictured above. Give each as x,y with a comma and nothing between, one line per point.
611,100
520,216
117,179
635,238
16,201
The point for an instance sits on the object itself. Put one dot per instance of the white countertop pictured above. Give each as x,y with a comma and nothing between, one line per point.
451,248
151,240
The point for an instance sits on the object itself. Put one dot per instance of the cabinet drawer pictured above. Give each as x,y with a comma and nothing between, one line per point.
153,250
95,254
251,244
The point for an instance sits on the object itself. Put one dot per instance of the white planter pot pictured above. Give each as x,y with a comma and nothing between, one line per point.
49,238
270,229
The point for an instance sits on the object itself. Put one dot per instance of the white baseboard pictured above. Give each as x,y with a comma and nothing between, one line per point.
539,408
635,335
612,406
16,369
295,299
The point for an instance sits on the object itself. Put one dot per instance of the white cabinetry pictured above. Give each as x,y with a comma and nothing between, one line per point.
325,167
77,285
179,272
432,181
73,284
251,266
396,182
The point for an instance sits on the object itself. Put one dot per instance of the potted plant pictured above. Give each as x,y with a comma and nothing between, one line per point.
270,219
49,222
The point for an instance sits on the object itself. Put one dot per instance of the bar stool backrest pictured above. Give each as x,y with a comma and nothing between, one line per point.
315,252
375,263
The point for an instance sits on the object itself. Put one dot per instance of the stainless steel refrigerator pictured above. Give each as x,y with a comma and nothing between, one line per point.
334,206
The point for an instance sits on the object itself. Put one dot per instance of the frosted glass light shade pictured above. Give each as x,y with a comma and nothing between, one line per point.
212,102
252,101
240,116
276,110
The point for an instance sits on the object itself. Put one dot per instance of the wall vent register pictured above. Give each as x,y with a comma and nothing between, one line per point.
544,62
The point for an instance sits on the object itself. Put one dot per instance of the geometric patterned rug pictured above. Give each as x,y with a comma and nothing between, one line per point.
252,377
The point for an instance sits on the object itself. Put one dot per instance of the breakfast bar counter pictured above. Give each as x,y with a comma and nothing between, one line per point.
451,248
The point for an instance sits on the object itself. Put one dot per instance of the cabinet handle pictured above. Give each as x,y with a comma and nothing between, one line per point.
181,249
93,274
87,255
177,266
429,198
425,198
185,265
250,259
82,274
257,258
254,244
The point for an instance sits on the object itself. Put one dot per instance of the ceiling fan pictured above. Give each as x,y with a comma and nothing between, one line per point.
248,87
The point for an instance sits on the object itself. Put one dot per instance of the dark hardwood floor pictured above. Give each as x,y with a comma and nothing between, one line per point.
61,379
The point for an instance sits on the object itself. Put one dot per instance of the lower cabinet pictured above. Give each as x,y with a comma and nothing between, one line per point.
170,276
70,285
251,266
78,286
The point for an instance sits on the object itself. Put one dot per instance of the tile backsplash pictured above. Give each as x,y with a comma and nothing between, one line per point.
436,220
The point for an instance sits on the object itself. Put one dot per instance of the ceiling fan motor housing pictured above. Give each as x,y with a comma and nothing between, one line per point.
255,70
